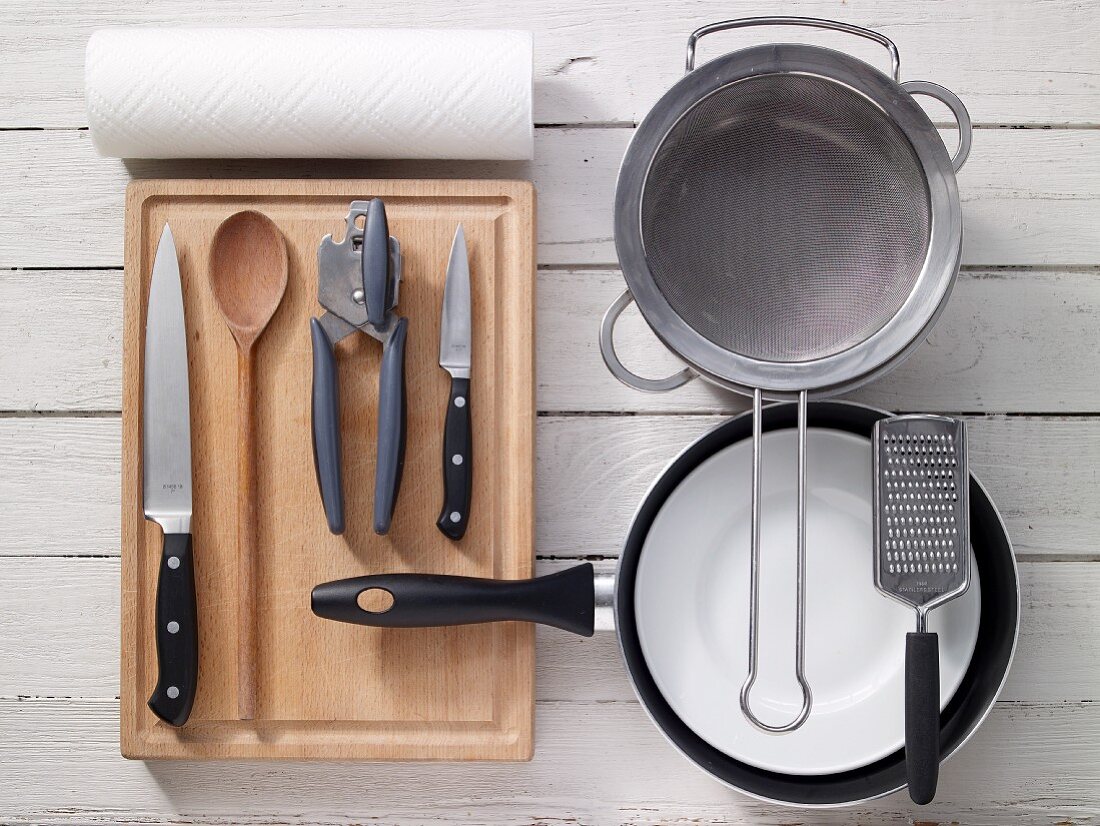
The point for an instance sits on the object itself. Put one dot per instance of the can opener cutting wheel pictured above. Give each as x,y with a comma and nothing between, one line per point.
357,284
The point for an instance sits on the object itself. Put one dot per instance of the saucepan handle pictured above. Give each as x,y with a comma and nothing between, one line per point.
564,600
952,102
618,369
814,22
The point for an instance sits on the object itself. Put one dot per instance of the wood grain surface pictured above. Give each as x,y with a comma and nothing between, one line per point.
1017,351
325,689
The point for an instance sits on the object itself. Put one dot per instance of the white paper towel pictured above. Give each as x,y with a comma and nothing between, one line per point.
309,93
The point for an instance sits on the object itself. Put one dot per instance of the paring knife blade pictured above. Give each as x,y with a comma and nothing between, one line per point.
454,357
166,485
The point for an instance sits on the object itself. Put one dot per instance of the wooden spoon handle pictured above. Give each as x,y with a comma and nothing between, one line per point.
246,543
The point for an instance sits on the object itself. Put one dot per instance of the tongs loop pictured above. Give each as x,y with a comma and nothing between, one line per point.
754,587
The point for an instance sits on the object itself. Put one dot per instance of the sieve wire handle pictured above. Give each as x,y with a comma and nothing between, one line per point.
754,578
952,102
813,22
618,369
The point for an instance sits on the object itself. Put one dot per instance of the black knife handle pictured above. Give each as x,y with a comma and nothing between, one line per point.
922,715
391,427
177,632
326,427
457,462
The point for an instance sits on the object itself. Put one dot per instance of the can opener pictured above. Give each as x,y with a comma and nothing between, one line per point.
358,282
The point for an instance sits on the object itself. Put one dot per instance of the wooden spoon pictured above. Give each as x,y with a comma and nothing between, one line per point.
248,272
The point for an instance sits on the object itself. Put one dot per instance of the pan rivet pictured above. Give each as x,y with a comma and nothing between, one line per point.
173,562
173,627
358,296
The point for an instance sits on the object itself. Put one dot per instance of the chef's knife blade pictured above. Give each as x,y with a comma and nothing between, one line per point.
166,485
454,357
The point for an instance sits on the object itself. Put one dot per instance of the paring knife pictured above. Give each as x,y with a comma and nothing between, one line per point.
166,486
454,357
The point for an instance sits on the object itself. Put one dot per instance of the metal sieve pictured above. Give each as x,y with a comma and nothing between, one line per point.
788,223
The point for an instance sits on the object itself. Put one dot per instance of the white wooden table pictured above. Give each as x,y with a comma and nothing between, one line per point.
1017,353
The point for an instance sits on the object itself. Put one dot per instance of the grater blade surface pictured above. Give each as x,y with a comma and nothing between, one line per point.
921,509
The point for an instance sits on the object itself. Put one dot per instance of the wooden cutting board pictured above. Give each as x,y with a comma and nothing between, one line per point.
329,690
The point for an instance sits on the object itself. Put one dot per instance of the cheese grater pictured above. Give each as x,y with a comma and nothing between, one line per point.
922,558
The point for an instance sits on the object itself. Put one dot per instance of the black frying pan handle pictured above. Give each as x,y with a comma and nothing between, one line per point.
326,427
392,427
922,715
564,600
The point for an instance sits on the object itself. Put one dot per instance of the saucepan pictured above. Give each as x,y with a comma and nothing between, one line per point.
678,604
788,223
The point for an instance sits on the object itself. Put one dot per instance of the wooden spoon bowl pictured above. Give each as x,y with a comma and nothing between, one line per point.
248,273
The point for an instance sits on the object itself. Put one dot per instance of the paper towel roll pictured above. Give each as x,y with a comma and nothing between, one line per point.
309,93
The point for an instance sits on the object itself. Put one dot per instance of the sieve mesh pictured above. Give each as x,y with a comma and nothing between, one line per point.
785,218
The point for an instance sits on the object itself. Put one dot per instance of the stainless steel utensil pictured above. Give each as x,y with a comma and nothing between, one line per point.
358,282
166,486
788,223
454,357
922,559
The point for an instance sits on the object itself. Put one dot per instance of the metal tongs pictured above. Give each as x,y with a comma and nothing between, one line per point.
357,284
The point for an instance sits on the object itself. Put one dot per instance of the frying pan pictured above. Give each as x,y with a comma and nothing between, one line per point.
578,601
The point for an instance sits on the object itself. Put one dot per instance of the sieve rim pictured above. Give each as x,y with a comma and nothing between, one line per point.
882,349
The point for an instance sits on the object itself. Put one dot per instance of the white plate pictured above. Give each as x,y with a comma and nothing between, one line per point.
692,599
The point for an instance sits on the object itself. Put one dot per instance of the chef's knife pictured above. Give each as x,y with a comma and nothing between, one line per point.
166,486
454,357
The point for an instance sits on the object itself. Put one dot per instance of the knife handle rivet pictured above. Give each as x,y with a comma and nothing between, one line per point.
172,692
173,562
457,459
173,627
456,516
460,401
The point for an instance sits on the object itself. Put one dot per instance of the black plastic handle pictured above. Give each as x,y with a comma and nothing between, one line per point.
375,260
922,715
177,632
391,427
457,462
326,427
563,600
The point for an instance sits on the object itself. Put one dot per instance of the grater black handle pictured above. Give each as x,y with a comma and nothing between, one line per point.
922,715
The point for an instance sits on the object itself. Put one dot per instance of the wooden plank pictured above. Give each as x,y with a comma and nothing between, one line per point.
591,473
72,605
1007,342
1014,342
594,763
319,707
1041,213
73,463
1011,62
47,355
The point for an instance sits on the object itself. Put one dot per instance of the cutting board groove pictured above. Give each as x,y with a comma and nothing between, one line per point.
328,690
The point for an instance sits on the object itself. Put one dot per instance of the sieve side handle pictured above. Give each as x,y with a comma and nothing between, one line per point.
618,369
952,102
813,22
